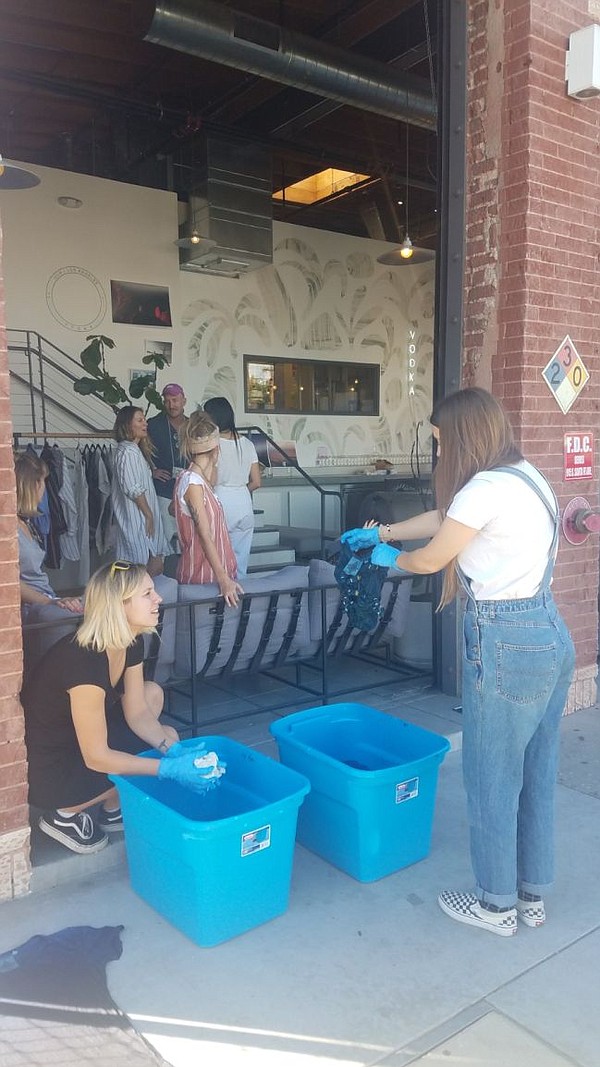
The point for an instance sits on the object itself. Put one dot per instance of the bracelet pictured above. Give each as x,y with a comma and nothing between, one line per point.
387,527
163,747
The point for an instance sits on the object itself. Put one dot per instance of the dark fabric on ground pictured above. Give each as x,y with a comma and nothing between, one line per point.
54,998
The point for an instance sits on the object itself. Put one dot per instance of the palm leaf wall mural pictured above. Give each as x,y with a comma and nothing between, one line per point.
339,305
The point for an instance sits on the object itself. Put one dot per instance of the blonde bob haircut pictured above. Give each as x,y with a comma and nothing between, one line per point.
198,434
30,470
105,623
475,435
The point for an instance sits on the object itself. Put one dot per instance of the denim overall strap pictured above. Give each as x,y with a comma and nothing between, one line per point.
554,514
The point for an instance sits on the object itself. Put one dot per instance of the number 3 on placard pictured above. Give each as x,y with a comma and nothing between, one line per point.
567,356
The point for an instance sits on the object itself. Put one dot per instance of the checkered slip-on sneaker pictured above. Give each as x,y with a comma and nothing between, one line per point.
531,912
465,908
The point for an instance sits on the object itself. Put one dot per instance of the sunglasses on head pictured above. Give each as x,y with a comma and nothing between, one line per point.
120,565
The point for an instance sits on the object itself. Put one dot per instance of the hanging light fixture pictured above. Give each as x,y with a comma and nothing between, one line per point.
406,251
14,177
407,254
195,240
190,231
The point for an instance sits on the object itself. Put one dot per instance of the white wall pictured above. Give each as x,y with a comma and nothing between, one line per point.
324,295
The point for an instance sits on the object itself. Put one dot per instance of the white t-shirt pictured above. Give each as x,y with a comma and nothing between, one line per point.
507,558
235,461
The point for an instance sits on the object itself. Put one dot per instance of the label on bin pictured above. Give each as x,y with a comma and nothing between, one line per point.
407,790
255,840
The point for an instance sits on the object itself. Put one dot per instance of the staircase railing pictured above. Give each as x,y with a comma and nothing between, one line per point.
48,374
292,462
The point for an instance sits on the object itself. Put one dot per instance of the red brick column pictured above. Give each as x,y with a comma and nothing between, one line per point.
532,258
14,823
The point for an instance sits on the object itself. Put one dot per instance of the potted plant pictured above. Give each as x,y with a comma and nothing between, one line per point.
98,382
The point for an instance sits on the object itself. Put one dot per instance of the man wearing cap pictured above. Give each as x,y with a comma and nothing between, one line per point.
164,434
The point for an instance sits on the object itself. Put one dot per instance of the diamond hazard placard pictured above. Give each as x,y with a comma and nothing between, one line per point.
565,374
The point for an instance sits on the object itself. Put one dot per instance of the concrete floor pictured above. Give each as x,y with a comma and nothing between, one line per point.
358,973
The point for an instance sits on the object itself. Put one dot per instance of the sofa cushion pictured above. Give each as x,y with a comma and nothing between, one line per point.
168,589
322,574
250,635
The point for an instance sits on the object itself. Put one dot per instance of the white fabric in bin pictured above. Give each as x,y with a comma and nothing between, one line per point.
205,616
321,574
168,589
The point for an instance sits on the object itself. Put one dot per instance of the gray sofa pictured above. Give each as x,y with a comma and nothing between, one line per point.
279,622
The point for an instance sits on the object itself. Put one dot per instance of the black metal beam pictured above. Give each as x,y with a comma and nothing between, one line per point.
452,37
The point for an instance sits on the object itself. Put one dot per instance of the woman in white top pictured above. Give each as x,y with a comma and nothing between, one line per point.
140,534
496,533
238,475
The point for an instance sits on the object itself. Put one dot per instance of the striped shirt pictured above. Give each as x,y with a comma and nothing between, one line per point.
193,567
132,477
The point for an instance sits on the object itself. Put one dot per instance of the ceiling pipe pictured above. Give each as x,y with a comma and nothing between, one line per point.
224,36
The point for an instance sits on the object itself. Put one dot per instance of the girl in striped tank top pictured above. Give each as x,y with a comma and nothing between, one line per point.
206,552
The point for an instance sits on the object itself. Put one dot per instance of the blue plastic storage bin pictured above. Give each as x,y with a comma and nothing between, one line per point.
219,864
373,785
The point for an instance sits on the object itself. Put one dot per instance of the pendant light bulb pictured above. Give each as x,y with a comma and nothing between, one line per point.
406,248
195,238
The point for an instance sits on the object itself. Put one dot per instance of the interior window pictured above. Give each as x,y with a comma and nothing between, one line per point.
310,386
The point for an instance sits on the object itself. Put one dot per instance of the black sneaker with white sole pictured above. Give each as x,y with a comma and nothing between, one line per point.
110,821
77,832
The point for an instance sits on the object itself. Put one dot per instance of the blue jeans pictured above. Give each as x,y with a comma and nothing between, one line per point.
518,662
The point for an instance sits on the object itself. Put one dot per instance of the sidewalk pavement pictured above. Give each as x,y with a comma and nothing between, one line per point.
362,974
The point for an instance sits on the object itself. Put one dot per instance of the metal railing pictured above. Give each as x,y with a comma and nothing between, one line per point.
291,461
212,659
46,376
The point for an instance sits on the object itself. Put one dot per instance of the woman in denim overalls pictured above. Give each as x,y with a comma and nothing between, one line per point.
496,533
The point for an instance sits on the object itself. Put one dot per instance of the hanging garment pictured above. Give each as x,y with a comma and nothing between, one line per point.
104,533
80,489
58,523
360,583
69,540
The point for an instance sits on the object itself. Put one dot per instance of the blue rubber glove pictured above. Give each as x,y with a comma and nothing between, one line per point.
360,538
182,769
178,749
386,556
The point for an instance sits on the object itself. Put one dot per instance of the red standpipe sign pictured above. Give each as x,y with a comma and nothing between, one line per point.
578,456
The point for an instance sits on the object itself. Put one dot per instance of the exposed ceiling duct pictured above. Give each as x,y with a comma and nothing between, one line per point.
230,207
225,36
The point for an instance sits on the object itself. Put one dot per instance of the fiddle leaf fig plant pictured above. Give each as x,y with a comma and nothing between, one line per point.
98,382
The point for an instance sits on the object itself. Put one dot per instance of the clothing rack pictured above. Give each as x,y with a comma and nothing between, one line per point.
100,435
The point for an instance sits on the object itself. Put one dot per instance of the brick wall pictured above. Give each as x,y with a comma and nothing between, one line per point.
532,255
14,821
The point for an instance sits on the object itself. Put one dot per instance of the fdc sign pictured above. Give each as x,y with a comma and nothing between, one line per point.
578,456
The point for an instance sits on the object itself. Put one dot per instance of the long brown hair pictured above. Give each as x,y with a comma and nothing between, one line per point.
30,470
123,432
475,435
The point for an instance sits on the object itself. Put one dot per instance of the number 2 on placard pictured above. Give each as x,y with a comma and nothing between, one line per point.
555,375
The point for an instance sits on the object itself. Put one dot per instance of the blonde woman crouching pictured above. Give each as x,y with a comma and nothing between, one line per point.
88,712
